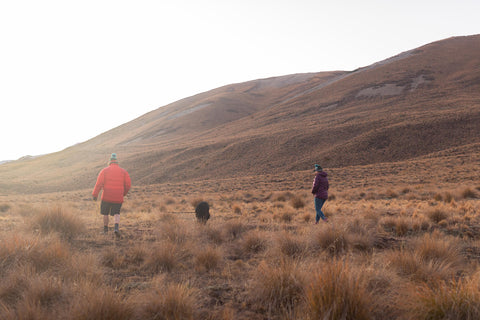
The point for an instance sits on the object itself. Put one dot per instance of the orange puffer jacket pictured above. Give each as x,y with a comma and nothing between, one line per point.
115,183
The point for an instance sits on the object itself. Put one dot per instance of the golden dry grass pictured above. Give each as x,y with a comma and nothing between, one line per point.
247,262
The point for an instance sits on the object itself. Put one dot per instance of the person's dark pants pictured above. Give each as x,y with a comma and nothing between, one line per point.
318,208
108,208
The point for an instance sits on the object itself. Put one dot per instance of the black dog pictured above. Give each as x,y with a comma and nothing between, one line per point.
202,212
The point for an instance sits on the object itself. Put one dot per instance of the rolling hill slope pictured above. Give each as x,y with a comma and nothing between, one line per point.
422,102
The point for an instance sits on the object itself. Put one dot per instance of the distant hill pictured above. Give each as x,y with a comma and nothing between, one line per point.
422,102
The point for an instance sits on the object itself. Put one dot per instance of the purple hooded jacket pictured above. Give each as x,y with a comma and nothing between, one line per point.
320,185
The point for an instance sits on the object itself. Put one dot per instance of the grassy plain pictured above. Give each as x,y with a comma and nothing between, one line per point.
397,246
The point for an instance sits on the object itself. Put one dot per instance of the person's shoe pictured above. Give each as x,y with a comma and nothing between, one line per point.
316,222
326,219
105,230
117,233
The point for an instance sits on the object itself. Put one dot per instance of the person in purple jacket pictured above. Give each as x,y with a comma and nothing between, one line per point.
320,191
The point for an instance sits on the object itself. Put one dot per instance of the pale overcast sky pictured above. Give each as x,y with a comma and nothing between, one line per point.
70,70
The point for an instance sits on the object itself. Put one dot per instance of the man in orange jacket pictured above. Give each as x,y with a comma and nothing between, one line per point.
115,183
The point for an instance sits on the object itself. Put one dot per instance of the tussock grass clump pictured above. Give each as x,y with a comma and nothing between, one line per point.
195,202
173,231
333,240
208,259
42,254
111,258
436,248
297,202
4,207
233,229
455,300
237,209
48,292
278,289
283,196
399,225
468,193
161,258
253,242
93,302
390,194
172,301
285,216
291,246
14,284
362,234
337,292
411,265
213,234
437,215
307,217
58,220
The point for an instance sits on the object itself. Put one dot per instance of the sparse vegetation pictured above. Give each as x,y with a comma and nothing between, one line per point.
267,257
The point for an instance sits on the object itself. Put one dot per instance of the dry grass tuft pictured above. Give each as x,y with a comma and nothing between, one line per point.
297,202
291,246
173,231
212,233
439,249
172,301
59,220
195,202
41,254
455,300
161,258
277,289
337,292
233,229
208,259
468,193
100,303
285,216
412,265
333,240
253,242
237,209
4,207
437,215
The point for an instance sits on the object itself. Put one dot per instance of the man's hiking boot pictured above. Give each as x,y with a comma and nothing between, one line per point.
117,232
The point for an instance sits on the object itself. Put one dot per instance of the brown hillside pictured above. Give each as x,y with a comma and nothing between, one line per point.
420,103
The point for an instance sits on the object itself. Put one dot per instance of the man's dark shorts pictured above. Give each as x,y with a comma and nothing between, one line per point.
108,208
